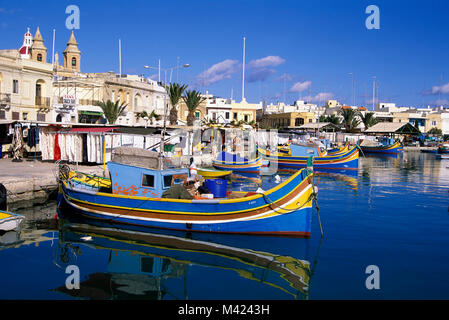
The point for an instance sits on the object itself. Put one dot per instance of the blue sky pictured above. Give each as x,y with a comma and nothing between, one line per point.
294,49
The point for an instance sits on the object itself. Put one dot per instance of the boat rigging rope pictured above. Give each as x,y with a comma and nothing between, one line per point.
313,197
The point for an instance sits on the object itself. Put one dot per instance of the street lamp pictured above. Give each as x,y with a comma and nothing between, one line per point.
165,103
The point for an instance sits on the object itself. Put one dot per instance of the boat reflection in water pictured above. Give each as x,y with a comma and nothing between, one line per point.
177,265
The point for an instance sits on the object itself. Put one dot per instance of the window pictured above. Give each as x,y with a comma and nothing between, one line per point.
434,123
41,117
227,115
2,114
73,62
235,115
15,86
148,180
15,115
310,120
39,57
167,181
245,118
197,115
25,116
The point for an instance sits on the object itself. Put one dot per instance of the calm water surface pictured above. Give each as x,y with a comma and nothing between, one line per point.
393,214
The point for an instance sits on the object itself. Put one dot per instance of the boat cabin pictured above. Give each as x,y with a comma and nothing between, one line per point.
305,150
135,172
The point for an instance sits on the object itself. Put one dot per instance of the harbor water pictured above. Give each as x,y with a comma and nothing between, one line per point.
391,214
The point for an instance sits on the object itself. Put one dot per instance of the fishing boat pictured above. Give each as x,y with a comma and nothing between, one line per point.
443,149
386,147
277,263
10,221
235,163
335,151
136,198
347,160
212,173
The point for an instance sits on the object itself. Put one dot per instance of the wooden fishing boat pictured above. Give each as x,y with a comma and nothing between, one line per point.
10,221
335,151
136,198
212,173
443,149
235,163
347,160
396,147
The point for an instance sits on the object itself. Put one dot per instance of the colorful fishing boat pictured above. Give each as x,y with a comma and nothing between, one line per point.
10,221
443,149
212,173
235,163
335,151
136,198
390,148
347,160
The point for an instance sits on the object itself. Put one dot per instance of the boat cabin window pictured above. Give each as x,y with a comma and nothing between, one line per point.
167,181
148,180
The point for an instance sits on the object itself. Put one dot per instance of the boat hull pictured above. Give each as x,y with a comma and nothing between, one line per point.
282,210
346,161
396,147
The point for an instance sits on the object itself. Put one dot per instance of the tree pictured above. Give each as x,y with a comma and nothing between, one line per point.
435,131
368,119
192,99
350,120
150,116
175,92
112,110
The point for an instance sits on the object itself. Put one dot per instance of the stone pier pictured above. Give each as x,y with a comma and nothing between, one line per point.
32,182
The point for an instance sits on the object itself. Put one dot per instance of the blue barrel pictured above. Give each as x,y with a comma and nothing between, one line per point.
217,187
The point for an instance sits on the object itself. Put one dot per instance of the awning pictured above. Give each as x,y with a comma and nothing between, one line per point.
91,113
97,130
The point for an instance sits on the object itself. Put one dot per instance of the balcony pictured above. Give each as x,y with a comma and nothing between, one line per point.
43,102
5,98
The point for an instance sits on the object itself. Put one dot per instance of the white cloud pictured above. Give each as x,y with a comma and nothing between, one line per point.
268,61
320,97
217,72
444,89
301,86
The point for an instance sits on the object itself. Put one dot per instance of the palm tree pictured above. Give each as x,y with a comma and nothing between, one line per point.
150,116
112,110
368,119
192,99
333,119
350,120
175,92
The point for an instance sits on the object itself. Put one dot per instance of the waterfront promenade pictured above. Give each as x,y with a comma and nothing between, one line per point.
30,182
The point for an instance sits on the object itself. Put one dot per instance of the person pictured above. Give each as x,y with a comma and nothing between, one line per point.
178,191
192,167
3,198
